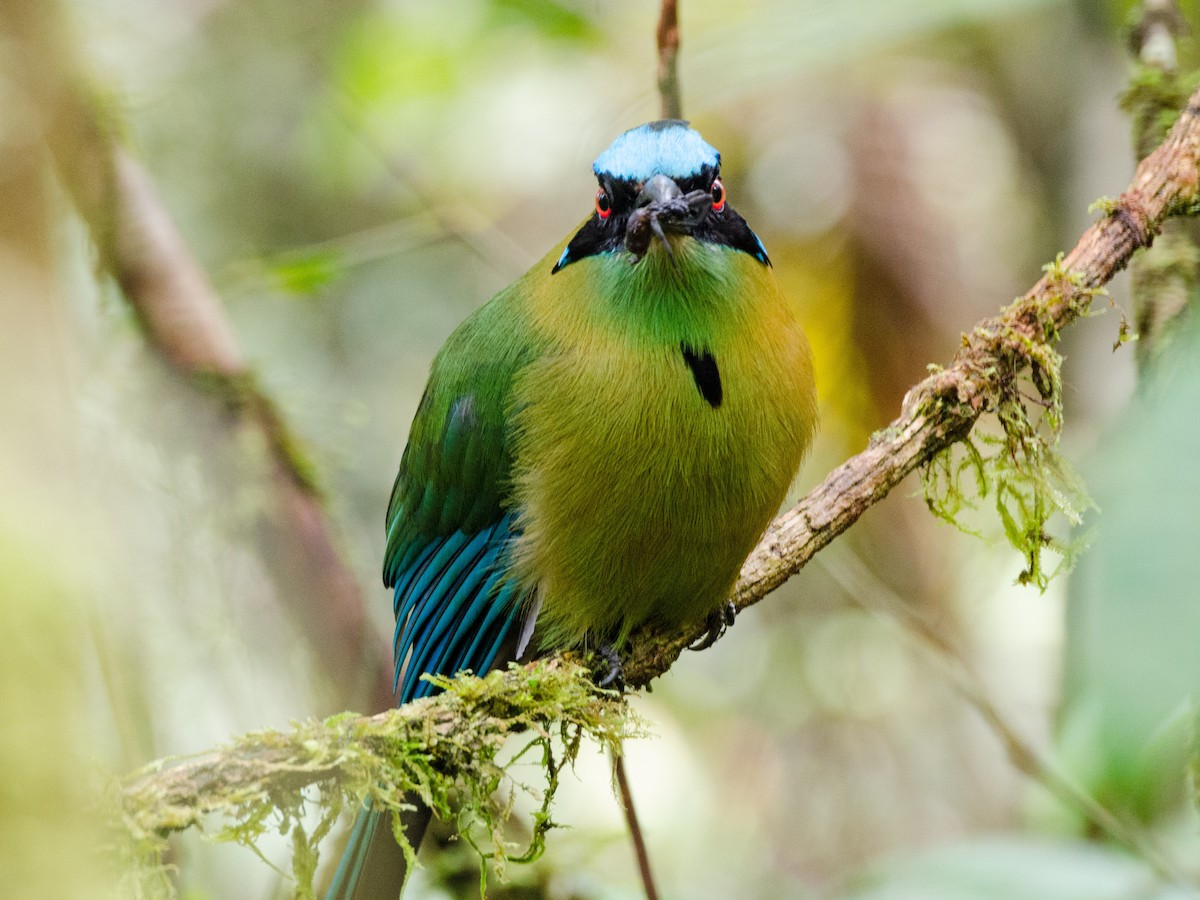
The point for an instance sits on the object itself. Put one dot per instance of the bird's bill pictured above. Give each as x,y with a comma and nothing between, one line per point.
663,207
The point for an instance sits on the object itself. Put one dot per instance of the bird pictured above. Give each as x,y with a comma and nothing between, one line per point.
599,446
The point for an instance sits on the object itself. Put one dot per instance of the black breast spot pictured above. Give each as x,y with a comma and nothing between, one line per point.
705,372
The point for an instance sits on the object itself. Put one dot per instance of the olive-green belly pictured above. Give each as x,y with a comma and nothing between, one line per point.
646,497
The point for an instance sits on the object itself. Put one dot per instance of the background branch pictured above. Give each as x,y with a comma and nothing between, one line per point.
916,628
1162,280
184,321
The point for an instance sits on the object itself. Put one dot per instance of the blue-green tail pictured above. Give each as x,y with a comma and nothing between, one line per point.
373,866
455,610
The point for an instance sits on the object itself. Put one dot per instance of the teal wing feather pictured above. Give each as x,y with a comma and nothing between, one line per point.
454,606
449,530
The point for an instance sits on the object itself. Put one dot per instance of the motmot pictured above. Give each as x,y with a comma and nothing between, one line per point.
598,446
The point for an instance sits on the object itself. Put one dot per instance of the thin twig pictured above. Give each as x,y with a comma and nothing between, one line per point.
635,828
667,36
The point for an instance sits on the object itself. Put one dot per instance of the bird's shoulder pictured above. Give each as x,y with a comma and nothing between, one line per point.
454,472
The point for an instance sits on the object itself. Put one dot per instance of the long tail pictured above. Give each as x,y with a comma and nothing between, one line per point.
373,866
454,610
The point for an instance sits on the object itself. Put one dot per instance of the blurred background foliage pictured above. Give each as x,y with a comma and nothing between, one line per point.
358,176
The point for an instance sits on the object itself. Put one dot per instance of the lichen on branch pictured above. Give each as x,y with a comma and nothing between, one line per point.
450,750
1018,465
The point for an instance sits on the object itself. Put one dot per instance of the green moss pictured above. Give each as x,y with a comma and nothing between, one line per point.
1017,466
1104,205
447,750
1153,100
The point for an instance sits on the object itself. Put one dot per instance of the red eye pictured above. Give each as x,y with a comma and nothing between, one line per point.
603,204
718,195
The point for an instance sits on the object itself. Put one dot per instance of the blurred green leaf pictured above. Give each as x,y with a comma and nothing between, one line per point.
1133,621
387,59
552,20
306,274
1018,869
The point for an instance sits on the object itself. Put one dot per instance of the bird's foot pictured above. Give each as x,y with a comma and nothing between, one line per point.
718,621
613,676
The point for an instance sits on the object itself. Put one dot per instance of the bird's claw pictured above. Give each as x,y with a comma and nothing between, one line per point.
718,621
614,677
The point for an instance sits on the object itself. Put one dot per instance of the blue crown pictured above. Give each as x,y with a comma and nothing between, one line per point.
668,147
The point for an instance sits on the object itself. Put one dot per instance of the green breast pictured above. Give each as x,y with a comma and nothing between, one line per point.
656,438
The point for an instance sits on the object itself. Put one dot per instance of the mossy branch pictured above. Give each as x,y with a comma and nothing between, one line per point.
447,749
